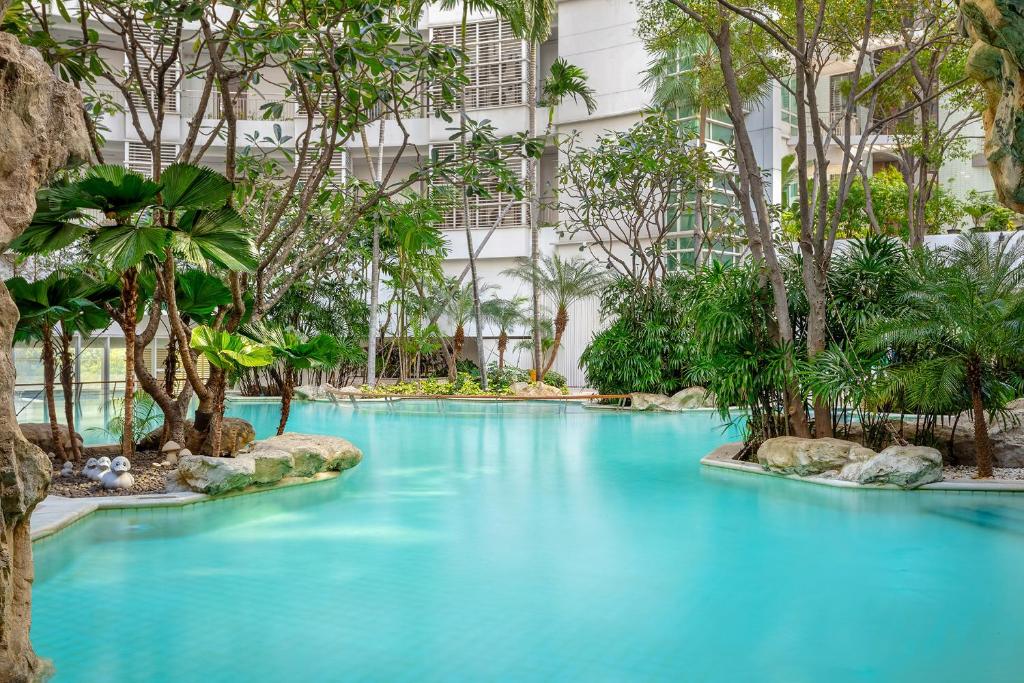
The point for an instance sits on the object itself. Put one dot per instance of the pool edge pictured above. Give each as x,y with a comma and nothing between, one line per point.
56,513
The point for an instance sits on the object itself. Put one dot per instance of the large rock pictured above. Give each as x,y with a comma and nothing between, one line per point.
236,434
207,474
794,455
904,466
692,397
534,389
40,434
41,130
685,399
641,401
311,454
269,461
996,60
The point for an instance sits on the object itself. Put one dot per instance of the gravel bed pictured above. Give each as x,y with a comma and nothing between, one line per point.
146,468
968,471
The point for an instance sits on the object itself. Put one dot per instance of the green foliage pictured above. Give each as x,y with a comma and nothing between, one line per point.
646,348
228,351
146,416
464,385
889,201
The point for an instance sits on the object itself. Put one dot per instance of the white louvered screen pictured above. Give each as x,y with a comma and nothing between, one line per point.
138,157
150,56
336,174
497,63
484,211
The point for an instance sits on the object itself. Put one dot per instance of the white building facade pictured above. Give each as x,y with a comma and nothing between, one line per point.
597,35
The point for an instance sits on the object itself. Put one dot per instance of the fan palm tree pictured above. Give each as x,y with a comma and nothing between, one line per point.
566,281
461,308
960,324
505,314
51,308
296,353
133,223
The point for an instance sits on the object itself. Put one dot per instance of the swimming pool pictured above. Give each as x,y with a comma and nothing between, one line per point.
521,543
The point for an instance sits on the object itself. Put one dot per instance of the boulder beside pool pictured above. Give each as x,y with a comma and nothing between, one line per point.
690,398
266,463
903,466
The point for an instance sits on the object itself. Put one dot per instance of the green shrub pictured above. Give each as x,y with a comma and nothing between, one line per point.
646,349
506,377
556,379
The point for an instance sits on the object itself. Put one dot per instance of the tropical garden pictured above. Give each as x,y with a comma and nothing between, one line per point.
283,269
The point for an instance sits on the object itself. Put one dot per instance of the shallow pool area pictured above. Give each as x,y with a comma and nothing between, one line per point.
526,542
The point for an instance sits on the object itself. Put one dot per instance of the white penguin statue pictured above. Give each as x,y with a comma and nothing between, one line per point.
118,477
91,466
102,467
68,469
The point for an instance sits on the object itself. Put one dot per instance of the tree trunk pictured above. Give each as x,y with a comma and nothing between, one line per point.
502,345
477,316
129,306
561,322
217,417
48,389
69,396
371,346
534,172
982,442
286,383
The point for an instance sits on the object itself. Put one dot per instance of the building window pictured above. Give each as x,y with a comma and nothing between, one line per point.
484,212
497,62
336,172
722,242
150,55
138,158
789,115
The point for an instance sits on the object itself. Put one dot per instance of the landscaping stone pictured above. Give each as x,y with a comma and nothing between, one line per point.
685,399
794,455
267,462
207,474
526,389
269,465
39,433
692,397
641,401
904,466
313,453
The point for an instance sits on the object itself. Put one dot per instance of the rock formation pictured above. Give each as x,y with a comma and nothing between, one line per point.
41,129
904,466
269,461
996,60
685,399
39,434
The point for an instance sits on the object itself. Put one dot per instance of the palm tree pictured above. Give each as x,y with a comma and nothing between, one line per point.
54,308
505,314
564,80
295,352
461,308
566,281
142,225
961,323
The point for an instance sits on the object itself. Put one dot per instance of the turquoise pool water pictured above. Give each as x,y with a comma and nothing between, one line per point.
520,543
